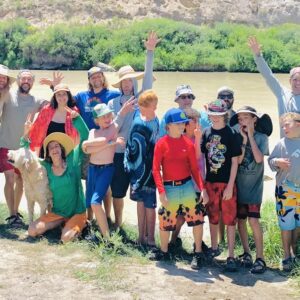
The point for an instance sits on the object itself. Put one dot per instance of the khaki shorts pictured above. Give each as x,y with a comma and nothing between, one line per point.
76,223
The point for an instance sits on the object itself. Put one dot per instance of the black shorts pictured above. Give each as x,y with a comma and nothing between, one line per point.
120,181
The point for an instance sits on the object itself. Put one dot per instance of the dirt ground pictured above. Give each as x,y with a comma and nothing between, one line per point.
42,271
34,271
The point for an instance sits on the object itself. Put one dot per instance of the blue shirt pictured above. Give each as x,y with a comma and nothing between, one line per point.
87,100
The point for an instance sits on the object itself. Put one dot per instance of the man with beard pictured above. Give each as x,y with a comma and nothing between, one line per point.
18,105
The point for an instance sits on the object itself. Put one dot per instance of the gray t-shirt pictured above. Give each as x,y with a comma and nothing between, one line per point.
287,148
249,179
14,115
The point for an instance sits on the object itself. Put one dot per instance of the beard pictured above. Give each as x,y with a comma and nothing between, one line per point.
24,88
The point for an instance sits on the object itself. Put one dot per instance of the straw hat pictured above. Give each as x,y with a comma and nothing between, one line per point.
5,72
62,139
127,72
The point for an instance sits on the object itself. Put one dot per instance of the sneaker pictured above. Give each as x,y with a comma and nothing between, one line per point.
159,256
231,265
197,261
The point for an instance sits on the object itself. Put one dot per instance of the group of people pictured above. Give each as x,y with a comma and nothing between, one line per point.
208,163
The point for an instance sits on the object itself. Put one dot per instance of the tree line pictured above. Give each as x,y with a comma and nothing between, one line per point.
183,46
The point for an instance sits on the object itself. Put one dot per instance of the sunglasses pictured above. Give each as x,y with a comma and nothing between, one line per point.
186,97
227,96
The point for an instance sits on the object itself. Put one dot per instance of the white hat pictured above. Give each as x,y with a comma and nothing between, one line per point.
5,72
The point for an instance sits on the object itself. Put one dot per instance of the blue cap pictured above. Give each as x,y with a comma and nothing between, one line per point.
175,115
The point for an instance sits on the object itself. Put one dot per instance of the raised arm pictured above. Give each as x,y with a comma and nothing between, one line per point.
263,67
150,45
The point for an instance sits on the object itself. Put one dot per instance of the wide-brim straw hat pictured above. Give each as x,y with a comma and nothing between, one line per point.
63,139
263,123
127,72
5,72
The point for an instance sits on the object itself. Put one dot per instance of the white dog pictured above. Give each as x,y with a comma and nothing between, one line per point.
35,179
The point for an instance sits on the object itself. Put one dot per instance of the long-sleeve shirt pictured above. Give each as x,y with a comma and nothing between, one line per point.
286,100
176,158
286,148
68,196
124,122
39,128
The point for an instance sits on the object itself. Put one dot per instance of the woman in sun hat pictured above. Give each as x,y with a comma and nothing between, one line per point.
54,118
63,165
124,107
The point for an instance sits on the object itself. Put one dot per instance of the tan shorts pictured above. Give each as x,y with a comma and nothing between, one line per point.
76,223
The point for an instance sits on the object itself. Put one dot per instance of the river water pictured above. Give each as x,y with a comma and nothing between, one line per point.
250,89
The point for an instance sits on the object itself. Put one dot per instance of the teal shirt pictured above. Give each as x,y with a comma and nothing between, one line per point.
68,196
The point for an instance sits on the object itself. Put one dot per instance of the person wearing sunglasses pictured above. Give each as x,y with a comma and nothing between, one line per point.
226,94
185,97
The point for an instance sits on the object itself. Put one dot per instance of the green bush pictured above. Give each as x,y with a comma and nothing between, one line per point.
183,46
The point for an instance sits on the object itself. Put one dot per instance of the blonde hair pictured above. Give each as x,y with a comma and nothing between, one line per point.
192,113
290,116
147,97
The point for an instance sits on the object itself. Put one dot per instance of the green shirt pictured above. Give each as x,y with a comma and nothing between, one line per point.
68,196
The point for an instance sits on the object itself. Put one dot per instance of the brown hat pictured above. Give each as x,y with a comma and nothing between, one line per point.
61,87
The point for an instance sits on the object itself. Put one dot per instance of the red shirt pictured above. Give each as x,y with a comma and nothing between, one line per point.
177,159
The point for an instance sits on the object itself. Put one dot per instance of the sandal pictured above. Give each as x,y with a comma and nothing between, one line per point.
230,265
246,260
287,264
259,266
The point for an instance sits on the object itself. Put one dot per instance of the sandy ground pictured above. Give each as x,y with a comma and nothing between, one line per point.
49,275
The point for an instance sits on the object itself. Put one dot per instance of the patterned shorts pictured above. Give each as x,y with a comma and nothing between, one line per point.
288,206
182,202
215,206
